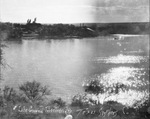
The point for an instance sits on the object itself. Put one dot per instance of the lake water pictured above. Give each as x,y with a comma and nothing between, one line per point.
64,65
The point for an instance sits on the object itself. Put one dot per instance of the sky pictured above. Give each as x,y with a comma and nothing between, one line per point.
74,11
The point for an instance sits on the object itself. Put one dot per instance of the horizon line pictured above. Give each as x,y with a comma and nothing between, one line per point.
78,22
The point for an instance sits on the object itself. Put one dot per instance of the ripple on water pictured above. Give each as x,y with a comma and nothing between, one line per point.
131,78
122,59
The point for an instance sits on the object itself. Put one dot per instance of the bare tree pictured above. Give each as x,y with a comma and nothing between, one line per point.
34,92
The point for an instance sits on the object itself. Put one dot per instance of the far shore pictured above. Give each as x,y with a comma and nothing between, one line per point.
16,31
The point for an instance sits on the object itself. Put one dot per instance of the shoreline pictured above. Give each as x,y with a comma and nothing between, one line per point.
30,37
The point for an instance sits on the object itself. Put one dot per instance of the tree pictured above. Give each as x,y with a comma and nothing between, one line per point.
2,64
58,103
1,53
8,99
0,59
81,100
94,87
34,92
9,95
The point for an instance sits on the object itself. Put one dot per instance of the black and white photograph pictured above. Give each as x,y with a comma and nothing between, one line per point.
74,59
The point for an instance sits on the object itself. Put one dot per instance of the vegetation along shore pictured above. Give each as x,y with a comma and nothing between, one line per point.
31,102
29,30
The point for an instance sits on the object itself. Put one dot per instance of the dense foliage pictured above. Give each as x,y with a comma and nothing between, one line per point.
10,30
53,31
65,30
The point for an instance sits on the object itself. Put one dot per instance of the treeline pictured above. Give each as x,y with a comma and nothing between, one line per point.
65,30
52,31
31,102
14,30
9,30
124,28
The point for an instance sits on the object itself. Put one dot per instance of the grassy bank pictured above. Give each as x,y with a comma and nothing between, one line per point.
31,102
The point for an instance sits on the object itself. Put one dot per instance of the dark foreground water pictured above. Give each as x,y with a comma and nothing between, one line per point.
65,65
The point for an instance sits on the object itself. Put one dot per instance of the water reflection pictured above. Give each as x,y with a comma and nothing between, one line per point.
122,59
131,78
134,52
128,98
